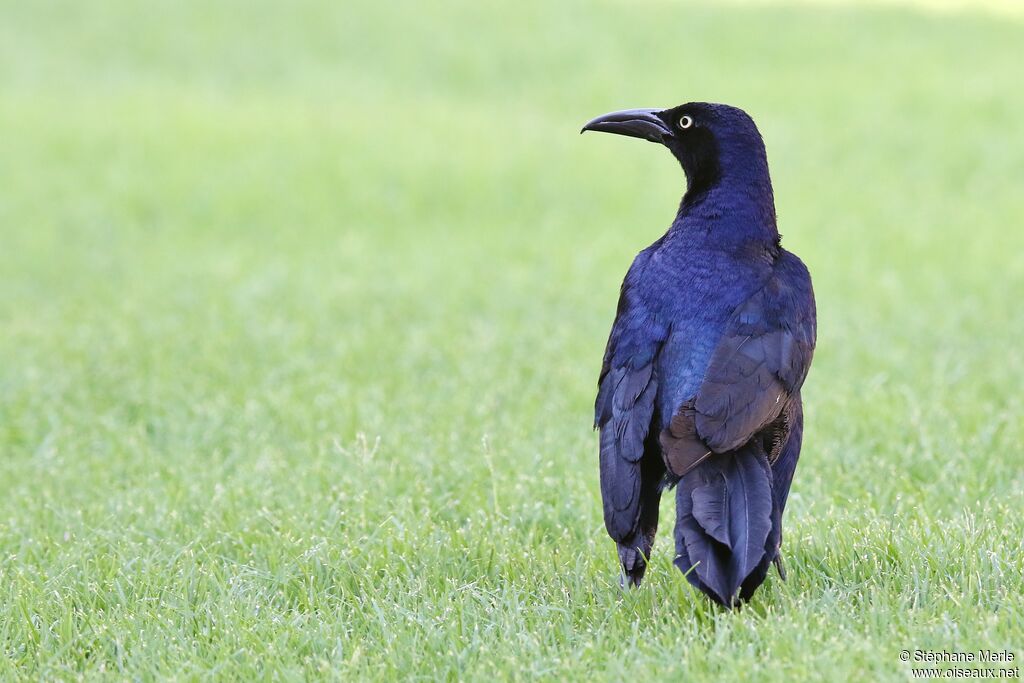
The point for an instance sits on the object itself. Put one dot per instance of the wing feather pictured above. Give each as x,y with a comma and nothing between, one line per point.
758,365
624,409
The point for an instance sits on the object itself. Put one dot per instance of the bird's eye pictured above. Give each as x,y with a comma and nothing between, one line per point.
685,121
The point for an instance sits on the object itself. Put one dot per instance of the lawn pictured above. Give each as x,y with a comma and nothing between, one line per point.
302,307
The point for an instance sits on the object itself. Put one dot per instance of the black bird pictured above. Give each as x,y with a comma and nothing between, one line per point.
712,340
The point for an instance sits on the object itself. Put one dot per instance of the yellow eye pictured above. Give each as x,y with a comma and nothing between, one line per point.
685,121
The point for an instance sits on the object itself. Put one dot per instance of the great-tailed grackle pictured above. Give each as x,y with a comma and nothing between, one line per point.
712,340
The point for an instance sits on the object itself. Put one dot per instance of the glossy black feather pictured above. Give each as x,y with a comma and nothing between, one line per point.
760,361
624,411
631,467
782,470
636,548
725,517
742,414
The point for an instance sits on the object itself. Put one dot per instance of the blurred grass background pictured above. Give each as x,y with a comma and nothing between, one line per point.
302,308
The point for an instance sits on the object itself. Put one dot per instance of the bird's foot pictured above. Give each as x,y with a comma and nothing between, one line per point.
631,579
778,565
633,564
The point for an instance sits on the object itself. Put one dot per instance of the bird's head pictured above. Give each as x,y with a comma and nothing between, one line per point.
711,141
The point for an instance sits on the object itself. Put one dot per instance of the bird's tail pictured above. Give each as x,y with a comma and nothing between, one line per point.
726,532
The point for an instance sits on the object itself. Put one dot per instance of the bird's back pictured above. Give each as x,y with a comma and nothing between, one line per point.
693,284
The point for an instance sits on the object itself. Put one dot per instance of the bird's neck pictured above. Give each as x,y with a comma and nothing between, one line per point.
739,205
729,196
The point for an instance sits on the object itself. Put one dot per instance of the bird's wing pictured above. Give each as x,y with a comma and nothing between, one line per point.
758,365
624,408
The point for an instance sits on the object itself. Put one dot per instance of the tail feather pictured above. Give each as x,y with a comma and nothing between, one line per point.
725,517
782,476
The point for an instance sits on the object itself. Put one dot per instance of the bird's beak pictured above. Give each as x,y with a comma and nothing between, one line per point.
636,123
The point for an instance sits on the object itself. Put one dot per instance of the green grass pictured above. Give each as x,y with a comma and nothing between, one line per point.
302,308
